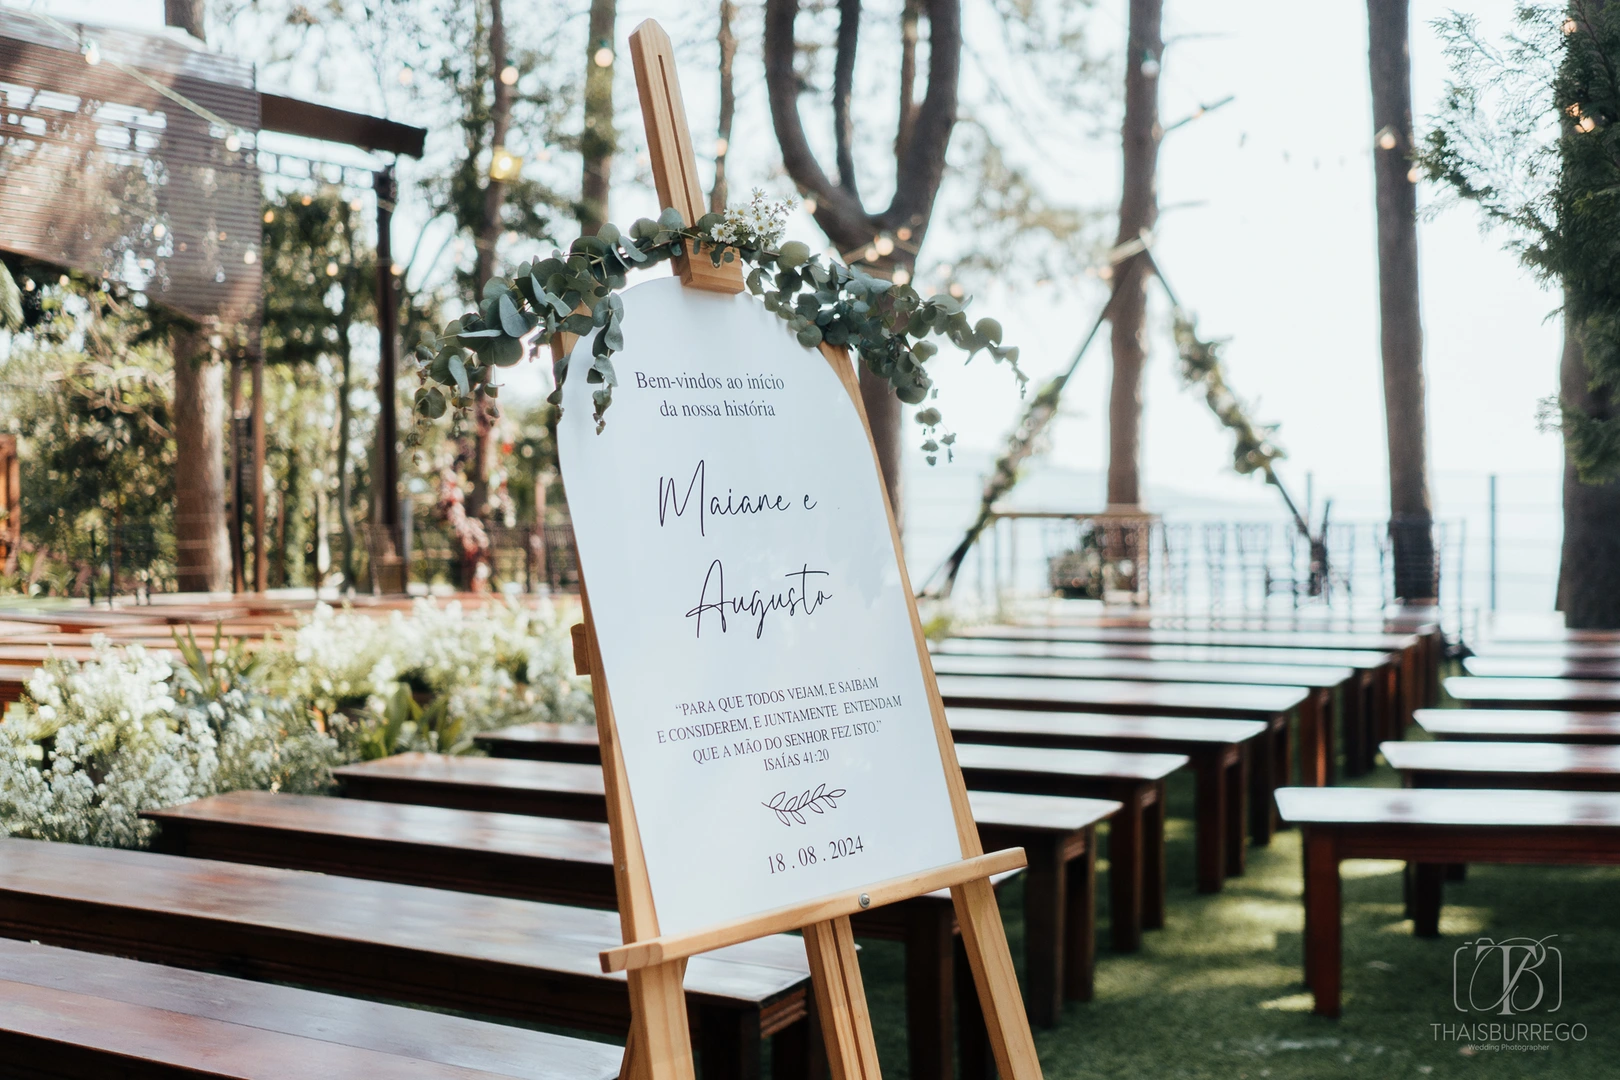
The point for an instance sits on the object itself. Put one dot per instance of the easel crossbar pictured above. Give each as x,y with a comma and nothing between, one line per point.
660,950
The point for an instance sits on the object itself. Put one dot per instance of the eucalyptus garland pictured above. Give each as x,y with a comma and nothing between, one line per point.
884,323
1253,450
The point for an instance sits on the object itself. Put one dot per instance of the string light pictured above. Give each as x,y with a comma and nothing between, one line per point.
883,245
1413,175
901,275
92,54
356,205
159,231
1570,26
509,75
1386,138
269,216
331,269
903,233
603,57
250,256
721,145
809,205
956,290
870,254
504,165
233,143
406,76
1586,124
307,199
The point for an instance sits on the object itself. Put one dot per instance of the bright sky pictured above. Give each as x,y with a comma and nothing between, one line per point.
1268,235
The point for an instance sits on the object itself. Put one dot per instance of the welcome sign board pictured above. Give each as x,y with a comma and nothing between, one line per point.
750,613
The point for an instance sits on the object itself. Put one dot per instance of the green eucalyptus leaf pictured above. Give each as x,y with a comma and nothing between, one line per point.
458,372
511,319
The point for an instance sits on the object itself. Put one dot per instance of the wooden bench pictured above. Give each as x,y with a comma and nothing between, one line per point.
1136,880
1371,709
1431,829
1419,675
536,963
571,862
1541,667
1324,683
1521,725
1270,705
1564,766
67,1014
1218,750
1572,695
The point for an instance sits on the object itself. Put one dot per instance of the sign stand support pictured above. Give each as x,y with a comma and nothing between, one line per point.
659,1046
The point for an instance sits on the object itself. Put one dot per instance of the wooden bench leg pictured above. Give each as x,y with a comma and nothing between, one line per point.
1323,927
1237,813
1209,820
1080,924
1457,871
728,1040
929,987
976,1062
1282,770
1315,716
1428,885
794,1054
1045,908
1153,868
1125,858
1262,782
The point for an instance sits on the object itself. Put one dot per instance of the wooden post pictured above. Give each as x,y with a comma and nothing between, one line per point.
389,573
261,565
659,1047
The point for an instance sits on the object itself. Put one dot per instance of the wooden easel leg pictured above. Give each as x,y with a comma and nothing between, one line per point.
985,940
846,1025
660,1043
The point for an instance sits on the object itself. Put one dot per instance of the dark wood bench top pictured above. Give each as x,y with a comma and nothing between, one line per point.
1103,764
542,788
1468,809
1360,659
1539,667
1466,758
543,741
1172,734
1212,700
67,1013
1277,639
1559,650
1526,724
1319,678
459,950
1038,813
1551,693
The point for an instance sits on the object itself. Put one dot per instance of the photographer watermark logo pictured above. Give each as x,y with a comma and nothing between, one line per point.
1509,977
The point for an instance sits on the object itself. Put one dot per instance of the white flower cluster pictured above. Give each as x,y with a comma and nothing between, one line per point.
499,665
94,744
760,222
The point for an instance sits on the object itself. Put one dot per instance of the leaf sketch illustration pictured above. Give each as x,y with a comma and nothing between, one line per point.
790,809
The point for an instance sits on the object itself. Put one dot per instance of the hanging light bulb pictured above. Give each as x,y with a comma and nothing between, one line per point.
603,56
883,245
903,233
332,269
269,216
1386,138
809,205
232,142
901,276
956,290
1414,174
1570,26
721,145
509,75
159,231
504,165
406,76
1586,124
250,256
92,54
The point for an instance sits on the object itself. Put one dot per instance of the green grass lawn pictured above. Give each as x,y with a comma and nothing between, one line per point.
1218,992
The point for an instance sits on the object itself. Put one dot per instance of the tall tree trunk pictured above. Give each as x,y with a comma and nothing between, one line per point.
1411,519
489,233
202,539
727,40
921,139
598,140
1138,211
1589,570
345,483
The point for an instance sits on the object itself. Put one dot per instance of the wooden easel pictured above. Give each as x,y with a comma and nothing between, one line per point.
659,1047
